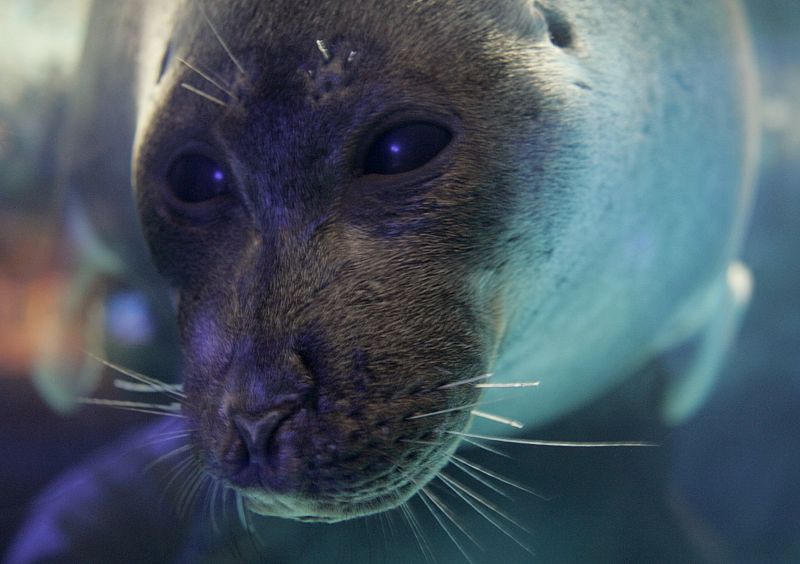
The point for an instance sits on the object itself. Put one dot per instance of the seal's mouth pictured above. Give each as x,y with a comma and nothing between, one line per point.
306,461
317,511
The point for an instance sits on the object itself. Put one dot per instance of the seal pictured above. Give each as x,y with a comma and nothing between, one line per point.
363,209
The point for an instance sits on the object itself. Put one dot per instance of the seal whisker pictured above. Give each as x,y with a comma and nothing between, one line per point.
497,419
170,410
536,442
240,509
222,42
478,478
413,523
146,388
212,506
205,95
442,411
533,384
206,76
486,447
462,491
170,454
180,468
462,463
155,383
467,381
190,488
425,493
482,500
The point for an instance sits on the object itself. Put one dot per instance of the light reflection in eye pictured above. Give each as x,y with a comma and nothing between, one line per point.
394,148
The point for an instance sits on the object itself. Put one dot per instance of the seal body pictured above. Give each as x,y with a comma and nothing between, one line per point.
365,207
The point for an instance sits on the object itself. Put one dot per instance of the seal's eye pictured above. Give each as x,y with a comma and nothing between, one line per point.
195,178
405,147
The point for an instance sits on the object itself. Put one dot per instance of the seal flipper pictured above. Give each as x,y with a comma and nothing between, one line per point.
697,368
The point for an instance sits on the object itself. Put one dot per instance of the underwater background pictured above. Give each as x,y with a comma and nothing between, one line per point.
722,487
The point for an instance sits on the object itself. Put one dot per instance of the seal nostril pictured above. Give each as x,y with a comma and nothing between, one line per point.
258,436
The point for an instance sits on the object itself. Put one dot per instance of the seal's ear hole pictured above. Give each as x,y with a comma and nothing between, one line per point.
560,28
165,61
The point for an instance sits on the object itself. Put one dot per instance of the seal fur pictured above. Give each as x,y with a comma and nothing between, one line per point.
581,220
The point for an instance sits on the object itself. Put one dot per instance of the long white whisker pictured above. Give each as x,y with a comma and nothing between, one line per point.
154,409
212,507
467,381
205,95
422,543
458,489
554,443
442,524
154,382
241,511
486,448
510,385
477,477
222,42
146,388
163,457
461,462
482,500
206,76
181,467
497,419
443,411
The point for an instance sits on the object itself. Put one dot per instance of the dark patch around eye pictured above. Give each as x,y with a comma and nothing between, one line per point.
405,148
195,178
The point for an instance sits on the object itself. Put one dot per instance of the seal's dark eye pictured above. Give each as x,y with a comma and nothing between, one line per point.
195,178
406,147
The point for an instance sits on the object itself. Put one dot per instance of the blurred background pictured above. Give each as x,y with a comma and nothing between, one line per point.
723,487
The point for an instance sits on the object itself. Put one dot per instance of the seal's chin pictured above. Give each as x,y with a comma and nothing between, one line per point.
317,511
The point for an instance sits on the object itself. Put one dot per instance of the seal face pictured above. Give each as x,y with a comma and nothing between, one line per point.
365,206
324,218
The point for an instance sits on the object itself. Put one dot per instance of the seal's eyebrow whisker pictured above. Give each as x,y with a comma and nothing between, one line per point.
498,419
205,95
537,442
171,409
447,512
222,42
226,89
466,493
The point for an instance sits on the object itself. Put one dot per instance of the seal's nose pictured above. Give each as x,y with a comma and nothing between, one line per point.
258,433
257,436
